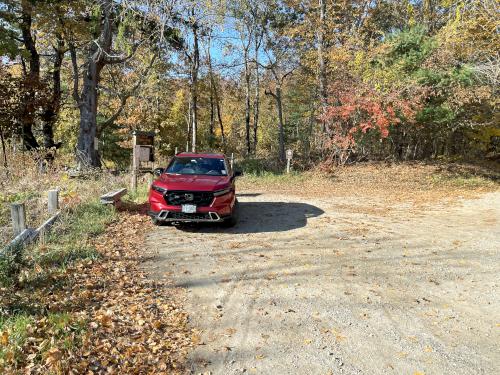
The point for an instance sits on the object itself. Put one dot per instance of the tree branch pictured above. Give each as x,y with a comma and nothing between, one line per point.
118,60
125,97
270,93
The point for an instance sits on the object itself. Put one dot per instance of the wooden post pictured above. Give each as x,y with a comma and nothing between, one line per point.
288,166
232,160
135,167
53,202
149,178
175,151
18,215
135,163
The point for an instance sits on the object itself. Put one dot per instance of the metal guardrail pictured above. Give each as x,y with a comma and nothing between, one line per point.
24,235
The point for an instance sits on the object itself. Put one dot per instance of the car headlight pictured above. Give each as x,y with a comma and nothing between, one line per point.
159,189
218,193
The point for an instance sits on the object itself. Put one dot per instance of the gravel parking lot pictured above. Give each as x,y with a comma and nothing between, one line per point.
308,285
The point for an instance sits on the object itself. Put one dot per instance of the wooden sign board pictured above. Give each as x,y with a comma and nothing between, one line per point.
145,140
145,153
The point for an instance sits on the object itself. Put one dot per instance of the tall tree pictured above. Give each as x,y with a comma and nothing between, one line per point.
135,23
281,61
53,104
256,102
32,76
246,38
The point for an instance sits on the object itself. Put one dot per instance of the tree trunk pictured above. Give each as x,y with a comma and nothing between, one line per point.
4,151
51,111
279,104
88,100
219,113
87,154
247,104
211,87
189,122
321,58
195,63
256,101
32,79
212,113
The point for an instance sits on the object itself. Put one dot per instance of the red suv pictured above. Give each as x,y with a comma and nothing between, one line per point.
194,188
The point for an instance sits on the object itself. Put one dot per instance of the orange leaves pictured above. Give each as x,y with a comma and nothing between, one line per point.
355,108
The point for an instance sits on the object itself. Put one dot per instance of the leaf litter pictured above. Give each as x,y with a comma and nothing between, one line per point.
128,322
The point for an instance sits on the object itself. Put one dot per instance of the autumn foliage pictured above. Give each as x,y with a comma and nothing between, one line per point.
356,109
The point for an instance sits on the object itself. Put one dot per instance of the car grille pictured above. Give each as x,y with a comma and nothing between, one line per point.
184,216
199,198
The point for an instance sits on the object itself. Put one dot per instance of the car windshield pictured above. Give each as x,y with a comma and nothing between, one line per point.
203,166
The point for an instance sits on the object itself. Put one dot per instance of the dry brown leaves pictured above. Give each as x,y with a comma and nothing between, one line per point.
130,324
136,325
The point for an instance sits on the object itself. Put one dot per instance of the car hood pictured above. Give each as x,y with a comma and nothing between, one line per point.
194,182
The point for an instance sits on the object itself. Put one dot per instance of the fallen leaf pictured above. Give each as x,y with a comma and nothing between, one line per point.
4,338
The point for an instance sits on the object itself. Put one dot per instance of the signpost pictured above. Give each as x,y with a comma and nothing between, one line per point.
289,156
143,154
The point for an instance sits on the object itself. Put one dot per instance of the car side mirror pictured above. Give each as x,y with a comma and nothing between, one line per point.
158,172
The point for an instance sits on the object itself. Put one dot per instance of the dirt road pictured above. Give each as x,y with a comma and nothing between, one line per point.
329,286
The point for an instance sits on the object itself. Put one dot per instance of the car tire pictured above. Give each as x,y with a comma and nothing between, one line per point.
232,220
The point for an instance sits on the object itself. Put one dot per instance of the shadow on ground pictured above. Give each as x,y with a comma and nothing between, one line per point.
262,217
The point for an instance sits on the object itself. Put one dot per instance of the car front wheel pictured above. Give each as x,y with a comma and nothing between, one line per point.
232,220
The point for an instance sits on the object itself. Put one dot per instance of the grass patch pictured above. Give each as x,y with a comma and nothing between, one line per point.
89,219
63,255
138,196
9,267
467,182
24,339
67,243
14,332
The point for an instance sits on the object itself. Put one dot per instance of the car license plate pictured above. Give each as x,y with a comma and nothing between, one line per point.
189,208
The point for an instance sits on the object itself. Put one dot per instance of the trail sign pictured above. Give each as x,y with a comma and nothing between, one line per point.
143,154
289,156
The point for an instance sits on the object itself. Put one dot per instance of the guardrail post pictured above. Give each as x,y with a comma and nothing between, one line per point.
53,202
18,215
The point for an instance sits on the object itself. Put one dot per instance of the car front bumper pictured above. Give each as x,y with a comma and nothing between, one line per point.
220,209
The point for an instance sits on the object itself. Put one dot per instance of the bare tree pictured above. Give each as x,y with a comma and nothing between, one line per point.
256,101
214,96
281,64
